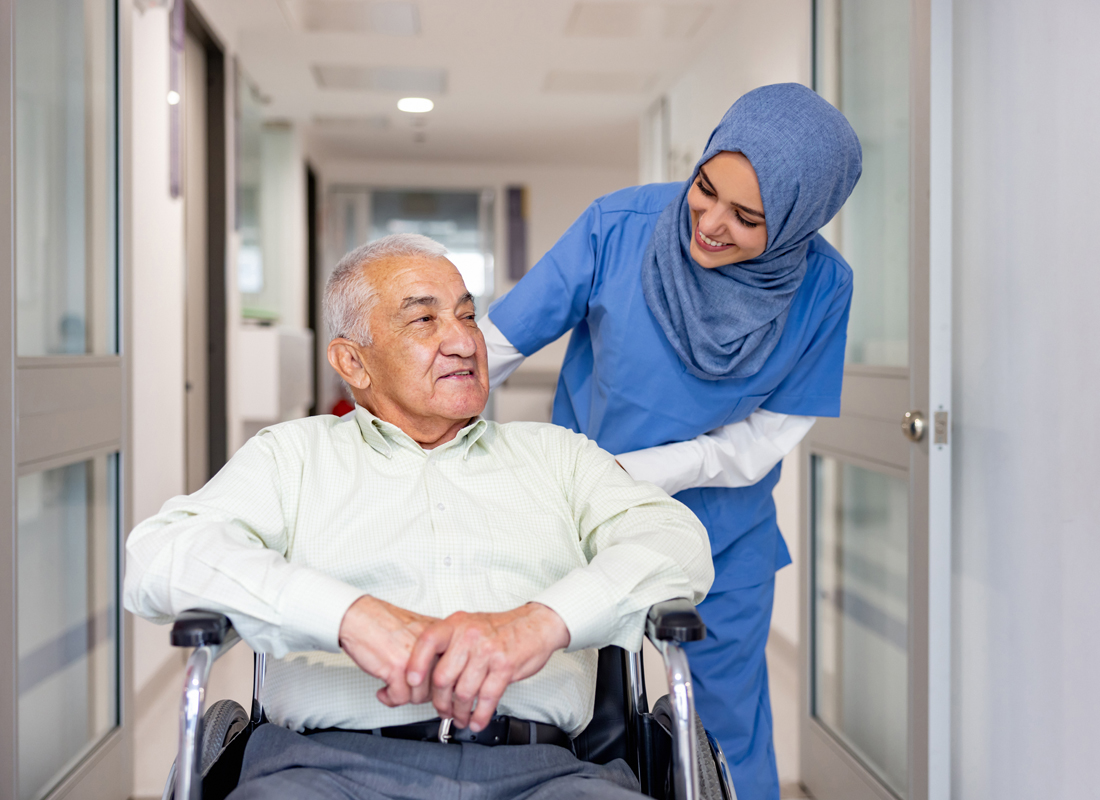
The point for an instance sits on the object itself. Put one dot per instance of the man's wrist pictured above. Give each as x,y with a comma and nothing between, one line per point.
556,629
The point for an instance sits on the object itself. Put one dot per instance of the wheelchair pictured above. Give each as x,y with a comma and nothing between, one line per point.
668,749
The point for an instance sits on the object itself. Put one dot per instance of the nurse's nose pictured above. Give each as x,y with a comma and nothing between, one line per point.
712,222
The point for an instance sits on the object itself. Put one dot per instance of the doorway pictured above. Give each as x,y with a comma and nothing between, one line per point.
205,225
875,653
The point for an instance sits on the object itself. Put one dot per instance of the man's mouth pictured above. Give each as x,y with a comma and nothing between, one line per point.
708,244
461,373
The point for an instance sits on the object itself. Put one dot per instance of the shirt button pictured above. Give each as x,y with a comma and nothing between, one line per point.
440,506
446,561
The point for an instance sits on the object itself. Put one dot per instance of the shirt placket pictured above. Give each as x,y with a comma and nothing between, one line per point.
447,556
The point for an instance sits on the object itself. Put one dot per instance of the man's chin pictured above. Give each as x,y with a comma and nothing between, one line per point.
460,408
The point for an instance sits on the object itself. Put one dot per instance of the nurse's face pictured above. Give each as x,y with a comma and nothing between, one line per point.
727,215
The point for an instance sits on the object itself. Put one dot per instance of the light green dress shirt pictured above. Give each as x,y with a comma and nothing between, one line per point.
310,515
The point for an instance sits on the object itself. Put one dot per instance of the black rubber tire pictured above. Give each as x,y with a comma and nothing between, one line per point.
221,722
710,785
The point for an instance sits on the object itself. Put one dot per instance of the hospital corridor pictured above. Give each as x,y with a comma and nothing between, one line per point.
686,399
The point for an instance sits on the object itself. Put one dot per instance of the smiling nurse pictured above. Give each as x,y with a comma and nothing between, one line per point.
709,320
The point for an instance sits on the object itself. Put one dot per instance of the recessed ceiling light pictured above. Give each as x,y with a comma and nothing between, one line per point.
415,105
173,98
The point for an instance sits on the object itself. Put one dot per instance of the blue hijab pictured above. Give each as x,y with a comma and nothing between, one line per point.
725,322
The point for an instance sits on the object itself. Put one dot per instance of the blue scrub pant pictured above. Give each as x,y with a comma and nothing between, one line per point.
730,678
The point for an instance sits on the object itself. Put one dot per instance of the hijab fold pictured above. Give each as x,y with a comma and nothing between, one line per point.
725,322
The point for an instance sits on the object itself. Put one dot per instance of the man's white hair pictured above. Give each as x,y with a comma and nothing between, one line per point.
350,296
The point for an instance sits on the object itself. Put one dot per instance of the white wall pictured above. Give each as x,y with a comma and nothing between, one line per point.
1026,378
157,334
771,44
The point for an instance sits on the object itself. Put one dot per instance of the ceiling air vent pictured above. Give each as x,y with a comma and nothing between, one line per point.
420,81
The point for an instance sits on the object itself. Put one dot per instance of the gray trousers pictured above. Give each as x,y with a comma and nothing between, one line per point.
279,763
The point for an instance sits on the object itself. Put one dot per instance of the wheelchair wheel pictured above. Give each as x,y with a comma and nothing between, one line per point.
710,782
221,722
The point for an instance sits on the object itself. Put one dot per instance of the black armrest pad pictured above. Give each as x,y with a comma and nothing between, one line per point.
675,621
197,628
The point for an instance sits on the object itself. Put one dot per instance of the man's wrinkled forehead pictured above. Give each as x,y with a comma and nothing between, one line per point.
433,302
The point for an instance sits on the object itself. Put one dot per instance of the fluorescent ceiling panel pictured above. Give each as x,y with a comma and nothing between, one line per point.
612,19
339,123
563,80
403,80
356,16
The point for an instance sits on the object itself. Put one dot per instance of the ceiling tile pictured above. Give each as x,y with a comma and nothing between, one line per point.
683,20
564,80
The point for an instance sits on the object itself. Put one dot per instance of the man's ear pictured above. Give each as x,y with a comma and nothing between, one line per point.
347,359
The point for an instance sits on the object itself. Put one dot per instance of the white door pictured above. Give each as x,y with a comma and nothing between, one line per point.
876,579
62,378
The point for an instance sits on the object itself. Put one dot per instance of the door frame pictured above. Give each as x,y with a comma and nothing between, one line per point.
874,398
105,771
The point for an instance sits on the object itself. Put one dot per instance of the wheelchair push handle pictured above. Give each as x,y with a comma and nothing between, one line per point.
675,621
198,628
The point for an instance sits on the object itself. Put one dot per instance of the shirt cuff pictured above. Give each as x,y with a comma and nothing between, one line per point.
312,607
582,601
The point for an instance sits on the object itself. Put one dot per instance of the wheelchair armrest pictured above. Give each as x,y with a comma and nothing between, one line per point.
198,628
675,621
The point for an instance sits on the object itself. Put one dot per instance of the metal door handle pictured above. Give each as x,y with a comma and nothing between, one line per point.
913,425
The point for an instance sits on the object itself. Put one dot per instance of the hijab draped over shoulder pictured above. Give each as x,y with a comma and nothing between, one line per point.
725,322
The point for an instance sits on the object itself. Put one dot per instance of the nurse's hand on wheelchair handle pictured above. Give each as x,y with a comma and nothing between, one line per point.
479,655
379,637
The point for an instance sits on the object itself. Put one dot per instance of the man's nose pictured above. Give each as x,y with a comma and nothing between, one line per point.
459,338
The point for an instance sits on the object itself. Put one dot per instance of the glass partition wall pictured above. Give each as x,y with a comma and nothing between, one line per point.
60,730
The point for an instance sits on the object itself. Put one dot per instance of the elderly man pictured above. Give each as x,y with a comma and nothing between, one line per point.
411,555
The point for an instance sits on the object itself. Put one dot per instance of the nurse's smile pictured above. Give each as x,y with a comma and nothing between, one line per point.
727,217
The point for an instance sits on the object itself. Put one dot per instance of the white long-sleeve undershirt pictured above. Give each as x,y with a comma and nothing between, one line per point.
738,454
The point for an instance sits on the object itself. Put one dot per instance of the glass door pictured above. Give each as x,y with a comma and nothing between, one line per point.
61,715
875,710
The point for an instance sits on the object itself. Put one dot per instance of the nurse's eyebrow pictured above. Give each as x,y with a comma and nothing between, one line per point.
746,209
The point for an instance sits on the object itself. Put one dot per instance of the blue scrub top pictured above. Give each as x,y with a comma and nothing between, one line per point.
623,385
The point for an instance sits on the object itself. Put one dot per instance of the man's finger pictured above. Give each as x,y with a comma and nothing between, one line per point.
491,690
430,644
423,692
467,689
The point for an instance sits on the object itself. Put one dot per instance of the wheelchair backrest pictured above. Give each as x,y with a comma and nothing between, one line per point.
610,735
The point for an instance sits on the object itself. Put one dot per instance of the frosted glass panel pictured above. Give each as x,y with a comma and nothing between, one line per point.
65,177
67,634
861,612
862,67
454,219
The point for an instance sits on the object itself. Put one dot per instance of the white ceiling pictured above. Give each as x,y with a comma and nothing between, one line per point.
545,81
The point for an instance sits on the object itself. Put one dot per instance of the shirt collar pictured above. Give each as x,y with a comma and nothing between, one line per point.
382,436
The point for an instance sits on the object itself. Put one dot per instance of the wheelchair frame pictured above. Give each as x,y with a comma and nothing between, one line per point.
668,625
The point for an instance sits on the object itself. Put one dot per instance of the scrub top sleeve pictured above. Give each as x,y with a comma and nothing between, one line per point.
812,389
553,297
